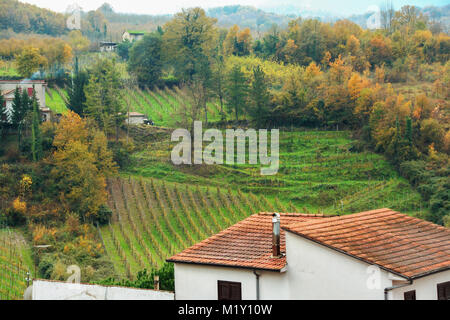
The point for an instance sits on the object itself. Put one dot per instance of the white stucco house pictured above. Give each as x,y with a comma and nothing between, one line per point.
135,118
132,36
106,46
7,88
372,255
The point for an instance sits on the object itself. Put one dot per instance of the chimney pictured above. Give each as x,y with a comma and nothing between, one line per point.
276,251
156,282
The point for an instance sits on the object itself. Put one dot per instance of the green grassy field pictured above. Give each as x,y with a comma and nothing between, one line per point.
15,262
55,101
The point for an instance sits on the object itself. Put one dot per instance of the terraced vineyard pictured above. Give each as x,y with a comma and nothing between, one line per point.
318,171
163,106
15,262
153,219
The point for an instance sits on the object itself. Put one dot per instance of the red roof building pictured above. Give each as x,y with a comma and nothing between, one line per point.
369,255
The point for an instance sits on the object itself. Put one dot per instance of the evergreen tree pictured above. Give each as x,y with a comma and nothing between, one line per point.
236,91
218,81
408,133
103,96
26,103
36,138
3,116
20,108
259,95
17,108
75,91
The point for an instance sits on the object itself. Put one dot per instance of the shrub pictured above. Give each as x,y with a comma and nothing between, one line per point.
103,215
46,267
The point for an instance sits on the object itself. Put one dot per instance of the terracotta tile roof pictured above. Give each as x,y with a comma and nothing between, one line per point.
247,244
6,92
396,242
136,114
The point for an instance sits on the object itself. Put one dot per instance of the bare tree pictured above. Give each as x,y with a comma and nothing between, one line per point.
387,15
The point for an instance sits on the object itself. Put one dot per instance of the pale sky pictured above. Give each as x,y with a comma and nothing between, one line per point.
337,7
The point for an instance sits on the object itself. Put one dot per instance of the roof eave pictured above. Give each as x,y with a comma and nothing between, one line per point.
283,269
428,273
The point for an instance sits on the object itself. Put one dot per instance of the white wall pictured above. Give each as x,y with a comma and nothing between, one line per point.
314,272
135,120
54,290
39,87
199,282
317,272
426,287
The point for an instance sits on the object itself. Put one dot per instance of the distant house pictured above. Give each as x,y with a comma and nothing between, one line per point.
107,46
133,35
378,254
135,118
7,88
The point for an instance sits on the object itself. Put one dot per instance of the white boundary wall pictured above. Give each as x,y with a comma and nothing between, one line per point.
54,290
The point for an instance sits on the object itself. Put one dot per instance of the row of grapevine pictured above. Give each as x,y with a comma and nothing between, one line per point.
14,271
153,219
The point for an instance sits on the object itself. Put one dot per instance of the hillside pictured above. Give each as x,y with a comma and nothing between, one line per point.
26,18
248,17
438,16
318,171
160,209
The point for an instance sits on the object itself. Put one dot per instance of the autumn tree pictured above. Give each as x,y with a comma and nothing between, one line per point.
78,42
79,165
238,42
379,51
311,42
30,61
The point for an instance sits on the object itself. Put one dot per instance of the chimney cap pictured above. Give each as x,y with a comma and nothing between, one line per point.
276,217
